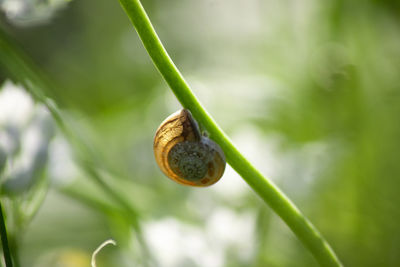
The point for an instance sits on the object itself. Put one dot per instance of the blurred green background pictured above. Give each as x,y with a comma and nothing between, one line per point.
308,90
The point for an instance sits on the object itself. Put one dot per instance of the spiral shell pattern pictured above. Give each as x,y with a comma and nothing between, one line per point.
184,155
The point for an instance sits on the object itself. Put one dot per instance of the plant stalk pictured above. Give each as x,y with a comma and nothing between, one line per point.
266,189
4,239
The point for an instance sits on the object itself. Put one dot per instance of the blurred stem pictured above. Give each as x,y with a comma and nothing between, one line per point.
15,248
22,69
265,188
4,240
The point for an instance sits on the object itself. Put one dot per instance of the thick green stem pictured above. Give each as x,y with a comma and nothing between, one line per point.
269,192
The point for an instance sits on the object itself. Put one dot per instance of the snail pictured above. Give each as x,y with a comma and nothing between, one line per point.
186,156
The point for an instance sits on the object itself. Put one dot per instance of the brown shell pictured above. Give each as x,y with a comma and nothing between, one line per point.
179,132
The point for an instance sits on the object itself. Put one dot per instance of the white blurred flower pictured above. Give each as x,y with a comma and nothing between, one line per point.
30,12
26,130
16,106
12,8
227,229
176,244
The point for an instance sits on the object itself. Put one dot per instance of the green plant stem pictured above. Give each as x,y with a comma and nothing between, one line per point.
4,240
269,192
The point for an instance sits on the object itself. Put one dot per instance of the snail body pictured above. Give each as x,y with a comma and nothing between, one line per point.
186,156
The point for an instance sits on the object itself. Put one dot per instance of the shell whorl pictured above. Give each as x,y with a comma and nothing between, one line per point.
184,155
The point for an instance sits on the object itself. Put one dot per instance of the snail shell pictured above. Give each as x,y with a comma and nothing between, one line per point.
184,155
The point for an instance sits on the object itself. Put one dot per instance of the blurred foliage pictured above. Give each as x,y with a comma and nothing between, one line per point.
308,90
